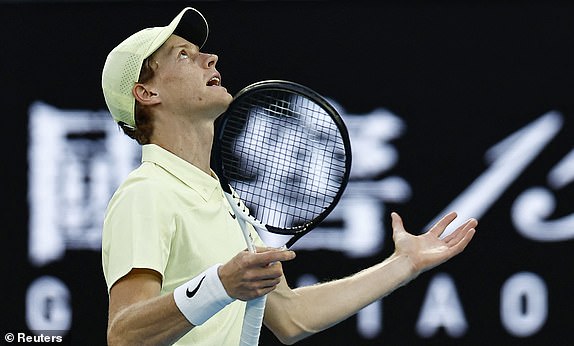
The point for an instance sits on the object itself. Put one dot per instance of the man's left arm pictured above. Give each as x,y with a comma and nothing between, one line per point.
295,314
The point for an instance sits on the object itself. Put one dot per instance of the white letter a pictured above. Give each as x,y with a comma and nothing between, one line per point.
441,308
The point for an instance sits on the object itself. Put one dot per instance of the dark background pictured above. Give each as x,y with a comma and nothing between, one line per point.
463,76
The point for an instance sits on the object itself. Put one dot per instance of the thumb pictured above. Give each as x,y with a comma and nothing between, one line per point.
397,224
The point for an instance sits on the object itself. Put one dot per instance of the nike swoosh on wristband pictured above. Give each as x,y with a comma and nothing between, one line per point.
192,293
232,215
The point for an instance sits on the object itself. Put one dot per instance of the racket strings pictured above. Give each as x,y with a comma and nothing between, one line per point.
284,153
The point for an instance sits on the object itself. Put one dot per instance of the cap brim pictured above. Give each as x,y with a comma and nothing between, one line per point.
193,27
189,24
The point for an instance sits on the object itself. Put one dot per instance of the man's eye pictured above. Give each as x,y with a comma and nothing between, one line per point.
183,55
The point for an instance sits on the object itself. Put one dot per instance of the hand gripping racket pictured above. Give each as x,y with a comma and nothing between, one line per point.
286,151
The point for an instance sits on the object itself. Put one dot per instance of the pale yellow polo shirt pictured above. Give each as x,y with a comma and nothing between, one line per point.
171,217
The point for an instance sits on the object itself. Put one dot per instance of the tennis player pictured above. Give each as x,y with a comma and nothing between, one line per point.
173,255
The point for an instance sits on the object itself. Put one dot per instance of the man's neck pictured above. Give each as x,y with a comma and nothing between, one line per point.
192,143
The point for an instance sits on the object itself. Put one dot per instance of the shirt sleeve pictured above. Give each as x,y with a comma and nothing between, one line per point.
137,232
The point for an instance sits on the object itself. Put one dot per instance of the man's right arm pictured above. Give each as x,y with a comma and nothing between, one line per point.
139,315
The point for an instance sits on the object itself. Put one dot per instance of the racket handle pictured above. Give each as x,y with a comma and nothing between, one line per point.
252,321
255,308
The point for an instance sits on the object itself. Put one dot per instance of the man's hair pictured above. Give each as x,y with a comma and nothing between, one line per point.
144,124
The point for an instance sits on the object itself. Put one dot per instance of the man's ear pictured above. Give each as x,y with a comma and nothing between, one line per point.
145,94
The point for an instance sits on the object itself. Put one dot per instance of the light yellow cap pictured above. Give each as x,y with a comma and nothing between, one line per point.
123,64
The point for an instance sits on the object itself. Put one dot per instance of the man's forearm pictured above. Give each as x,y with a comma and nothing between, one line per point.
154,322
315,308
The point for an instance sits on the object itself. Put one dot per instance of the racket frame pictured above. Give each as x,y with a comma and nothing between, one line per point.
255,308
283,85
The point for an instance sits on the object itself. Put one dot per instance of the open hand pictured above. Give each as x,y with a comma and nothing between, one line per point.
428,250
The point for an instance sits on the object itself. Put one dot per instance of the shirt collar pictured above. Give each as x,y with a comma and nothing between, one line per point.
189,174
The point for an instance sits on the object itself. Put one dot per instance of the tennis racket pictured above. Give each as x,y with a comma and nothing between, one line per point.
286,151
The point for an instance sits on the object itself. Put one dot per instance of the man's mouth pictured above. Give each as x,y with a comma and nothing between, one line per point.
214,81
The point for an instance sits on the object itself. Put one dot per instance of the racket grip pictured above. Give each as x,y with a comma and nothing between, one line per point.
252,322
255,308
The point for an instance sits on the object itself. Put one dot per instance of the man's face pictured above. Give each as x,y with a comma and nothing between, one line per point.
187,80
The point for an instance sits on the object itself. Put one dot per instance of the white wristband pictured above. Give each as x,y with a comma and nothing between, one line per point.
202,297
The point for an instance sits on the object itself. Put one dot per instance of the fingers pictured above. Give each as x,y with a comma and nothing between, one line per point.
264,265
260,280
267,256
440,226
250,275
461,245
397,223
459,239
463,234
461,231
